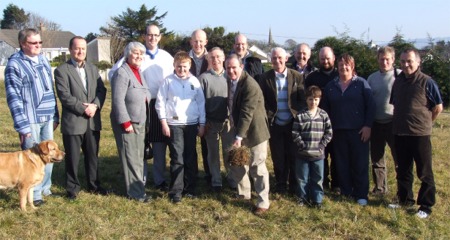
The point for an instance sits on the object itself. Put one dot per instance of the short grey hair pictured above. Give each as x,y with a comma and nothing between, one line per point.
217,49
133,46
278,49
25,33
300,45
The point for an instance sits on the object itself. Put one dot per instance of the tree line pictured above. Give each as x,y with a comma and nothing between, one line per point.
131,24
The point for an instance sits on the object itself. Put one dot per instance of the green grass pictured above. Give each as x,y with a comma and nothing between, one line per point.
213,216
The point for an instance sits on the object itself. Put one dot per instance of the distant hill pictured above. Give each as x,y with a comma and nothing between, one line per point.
420,43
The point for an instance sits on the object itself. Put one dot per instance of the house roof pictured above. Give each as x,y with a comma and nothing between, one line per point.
51,39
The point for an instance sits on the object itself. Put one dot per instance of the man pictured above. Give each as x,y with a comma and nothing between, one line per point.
82,94
284,97
302,54
381,83
31,100
251,130
417,103
199,65
320,78
252,65
198,52
156,66
215,88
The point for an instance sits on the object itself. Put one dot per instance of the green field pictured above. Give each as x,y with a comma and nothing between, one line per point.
214,216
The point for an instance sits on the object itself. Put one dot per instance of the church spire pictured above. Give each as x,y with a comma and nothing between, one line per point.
270,37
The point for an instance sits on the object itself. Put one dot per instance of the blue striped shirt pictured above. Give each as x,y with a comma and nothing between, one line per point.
284,115
29,91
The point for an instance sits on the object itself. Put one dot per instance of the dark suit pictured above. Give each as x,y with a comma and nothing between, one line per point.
250,122
282,146
80,131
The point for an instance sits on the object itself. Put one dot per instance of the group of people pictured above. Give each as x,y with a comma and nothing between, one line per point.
304,115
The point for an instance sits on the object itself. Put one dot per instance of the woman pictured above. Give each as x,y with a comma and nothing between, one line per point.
130,97
349,103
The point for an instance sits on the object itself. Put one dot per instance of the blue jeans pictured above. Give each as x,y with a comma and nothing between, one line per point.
183,161
41,132
309,178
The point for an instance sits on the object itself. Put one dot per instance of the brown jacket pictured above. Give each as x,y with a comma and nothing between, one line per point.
296,93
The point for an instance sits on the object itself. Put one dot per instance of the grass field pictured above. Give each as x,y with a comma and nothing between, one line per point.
214,216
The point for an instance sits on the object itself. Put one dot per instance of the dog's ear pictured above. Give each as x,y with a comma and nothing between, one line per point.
43,147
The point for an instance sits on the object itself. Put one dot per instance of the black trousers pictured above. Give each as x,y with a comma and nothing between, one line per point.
330,175
88,143
282,149
410,150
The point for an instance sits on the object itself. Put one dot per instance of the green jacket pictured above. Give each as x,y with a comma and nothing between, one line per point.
249,116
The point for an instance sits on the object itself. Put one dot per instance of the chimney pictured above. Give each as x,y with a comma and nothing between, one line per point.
42,27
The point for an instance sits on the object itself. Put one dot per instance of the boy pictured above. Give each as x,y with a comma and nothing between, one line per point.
181,108
311,132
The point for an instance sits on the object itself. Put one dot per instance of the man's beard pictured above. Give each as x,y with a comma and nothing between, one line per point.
326,68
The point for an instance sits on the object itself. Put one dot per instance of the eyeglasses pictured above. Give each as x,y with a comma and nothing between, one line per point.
35,43
153,35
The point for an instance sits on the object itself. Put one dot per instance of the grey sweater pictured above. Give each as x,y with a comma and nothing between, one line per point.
381,85
215,89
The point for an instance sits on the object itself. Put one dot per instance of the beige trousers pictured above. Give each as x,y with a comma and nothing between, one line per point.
258,171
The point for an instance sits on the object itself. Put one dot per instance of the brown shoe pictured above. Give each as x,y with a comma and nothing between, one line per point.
260,211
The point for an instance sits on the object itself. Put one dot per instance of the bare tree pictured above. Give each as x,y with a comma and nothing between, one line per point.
35,21
290,44
117,42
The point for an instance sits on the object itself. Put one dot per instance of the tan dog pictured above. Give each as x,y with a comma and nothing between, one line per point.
25,169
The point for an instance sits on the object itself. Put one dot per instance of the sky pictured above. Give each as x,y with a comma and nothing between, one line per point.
299,20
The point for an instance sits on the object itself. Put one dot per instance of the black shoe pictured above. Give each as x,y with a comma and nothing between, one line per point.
38,203
175,199
216,189
316,205
71,197
102,191
208,178
280,188
162,187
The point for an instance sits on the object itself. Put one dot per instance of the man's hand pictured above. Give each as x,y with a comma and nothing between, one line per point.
237,143
201,131
165,128
23,137
55,125
365,133
90,110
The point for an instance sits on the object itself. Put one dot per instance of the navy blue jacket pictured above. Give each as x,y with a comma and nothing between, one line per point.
352,109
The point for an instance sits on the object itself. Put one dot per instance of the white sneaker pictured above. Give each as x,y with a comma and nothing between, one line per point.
422,215
362,202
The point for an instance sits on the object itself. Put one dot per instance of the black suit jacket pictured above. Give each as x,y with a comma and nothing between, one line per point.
72,95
